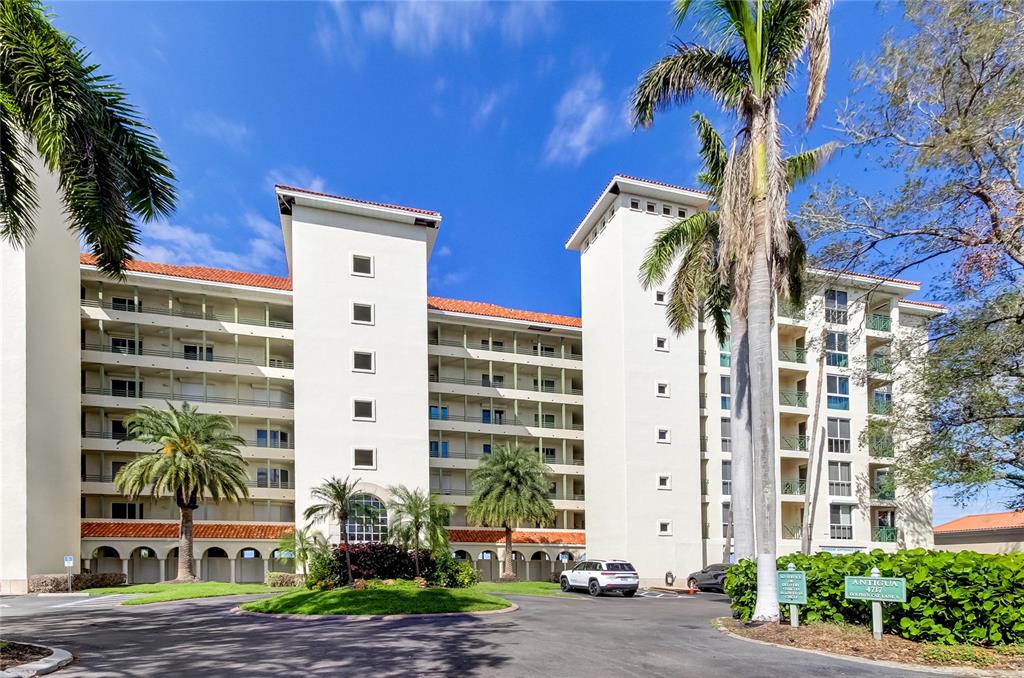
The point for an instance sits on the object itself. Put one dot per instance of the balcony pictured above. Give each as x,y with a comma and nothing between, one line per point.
133,307
504,420
793,354
883,494
155,395
539,352
793,398
881,447
788,310
272,484
879,363
793,531
879,322
703,443
794,487
272,444
197,357
491,383
880,406
793,443
884,534
703,398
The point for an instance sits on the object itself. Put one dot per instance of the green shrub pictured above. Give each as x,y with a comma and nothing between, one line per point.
962,597
322,574
284,579
453,573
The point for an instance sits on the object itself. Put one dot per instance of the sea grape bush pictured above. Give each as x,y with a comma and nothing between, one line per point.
962,597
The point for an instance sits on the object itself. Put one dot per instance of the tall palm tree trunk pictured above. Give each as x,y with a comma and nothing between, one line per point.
507,570
815,458
416,552
762,382
186,561
741,504
344,540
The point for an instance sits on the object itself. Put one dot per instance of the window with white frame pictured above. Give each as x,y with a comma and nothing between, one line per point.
362,265
726,519
364,457
651,208
664,528
664,435
666,210
837,350
362,314
370,523
836,308
663,389
362,361
841,521
634,204
726,477
838,435
664,482
726,387
364,410
661,343
838,391
680,212
660,297
839,479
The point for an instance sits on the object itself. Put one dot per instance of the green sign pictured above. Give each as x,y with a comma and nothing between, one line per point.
792,585
881,589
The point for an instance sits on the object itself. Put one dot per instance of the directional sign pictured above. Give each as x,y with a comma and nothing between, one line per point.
69,561
881,589
792,585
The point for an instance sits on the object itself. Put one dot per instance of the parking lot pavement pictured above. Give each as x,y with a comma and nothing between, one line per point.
596,637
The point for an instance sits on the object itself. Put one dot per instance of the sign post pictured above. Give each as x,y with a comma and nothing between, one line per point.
69,562
792,587
878,590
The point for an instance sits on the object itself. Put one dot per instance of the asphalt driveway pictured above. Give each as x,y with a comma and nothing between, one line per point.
608,636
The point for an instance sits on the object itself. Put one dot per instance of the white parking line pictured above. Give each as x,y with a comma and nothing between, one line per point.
96,601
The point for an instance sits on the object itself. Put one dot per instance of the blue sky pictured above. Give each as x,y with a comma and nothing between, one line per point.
509,119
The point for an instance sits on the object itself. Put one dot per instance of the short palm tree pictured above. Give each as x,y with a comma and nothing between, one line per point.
416,517
755,46
510,487
697,291
197,458
302,543
55,105
337,499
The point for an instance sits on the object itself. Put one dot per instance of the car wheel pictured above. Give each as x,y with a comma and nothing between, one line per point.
594,589
692,584
628,594
564,582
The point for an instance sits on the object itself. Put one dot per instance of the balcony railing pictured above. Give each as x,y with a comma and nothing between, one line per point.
793,354
267,484
879,363
793,398
792,531
837,316
700,358
840,488
795,443
882,448
703,443
841,531
111,435
703,398
794,486
492,383
879,322
887,534
157,395
132,307
457,491
880,407
180,355
502,348
504,420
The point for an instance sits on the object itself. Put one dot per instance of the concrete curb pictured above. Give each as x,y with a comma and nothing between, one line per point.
58,659
944,670
372,617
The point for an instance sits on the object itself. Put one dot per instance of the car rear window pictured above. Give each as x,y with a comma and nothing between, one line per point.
618,567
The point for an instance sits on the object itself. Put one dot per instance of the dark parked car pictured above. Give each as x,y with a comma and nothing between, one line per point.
711,578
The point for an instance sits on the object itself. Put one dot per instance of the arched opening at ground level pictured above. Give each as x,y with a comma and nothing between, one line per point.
249,566
488,568
215,565
144,567
106,559
282,561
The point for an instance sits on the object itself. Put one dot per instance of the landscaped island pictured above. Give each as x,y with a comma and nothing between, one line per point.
167,591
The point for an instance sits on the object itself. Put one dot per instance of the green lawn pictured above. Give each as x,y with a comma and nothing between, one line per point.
521,588
160,593
403,598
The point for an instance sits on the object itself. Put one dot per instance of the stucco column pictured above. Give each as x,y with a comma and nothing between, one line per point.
266,569
163,569
232,561
198,563
124,569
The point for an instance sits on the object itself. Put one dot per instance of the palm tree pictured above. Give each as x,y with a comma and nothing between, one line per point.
697,292
197,458
756,45
55,105
510,487
416,517
302,543
338,502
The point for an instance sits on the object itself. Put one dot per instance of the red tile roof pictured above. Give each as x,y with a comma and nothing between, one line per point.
929,304
491,310
842,271
1009,520
363,202
202,530
482,536
220,275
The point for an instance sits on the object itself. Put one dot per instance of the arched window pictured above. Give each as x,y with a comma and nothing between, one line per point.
374,527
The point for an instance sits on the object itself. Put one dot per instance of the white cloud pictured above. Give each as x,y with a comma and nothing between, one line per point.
584,120
260,246
486,106
422,27
218,128
443,251
297,177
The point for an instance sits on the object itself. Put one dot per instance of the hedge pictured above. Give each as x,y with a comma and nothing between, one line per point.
58,583
371,560
284,579
962,597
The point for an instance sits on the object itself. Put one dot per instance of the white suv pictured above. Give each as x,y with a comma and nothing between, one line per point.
598,576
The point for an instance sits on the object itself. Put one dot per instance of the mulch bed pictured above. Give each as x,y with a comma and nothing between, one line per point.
15,654
856,641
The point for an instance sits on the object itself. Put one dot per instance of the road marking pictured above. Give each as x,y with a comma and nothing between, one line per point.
97,601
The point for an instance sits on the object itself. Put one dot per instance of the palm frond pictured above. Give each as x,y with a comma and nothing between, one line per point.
819,54
801,166
712,152
18,203
783,37
509,488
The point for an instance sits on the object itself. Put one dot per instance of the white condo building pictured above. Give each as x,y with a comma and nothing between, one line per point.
348,368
